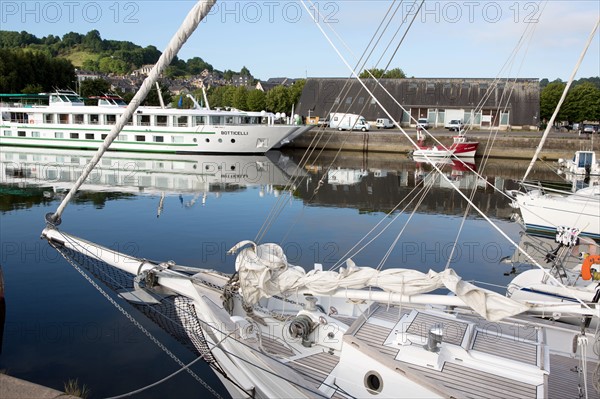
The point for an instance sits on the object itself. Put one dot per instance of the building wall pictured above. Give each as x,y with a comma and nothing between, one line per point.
487,104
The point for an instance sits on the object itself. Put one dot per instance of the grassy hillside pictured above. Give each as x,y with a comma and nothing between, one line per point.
79,58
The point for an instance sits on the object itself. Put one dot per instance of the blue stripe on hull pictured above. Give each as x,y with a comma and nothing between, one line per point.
551,230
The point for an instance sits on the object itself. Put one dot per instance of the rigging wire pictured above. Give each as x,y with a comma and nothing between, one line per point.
526,37
279,206
562,98
435,166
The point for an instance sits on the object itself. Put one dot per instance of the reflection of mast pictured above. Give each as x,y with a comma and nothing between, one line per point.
2,308
160,204
192,202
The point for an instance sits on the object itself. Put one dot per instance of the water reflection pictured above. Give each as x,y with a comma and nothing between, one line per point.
378,184
50,336
34,176
369,183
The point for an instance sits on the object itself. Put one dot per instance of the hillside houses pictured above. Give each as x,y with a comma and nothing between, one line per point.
206,79
273,82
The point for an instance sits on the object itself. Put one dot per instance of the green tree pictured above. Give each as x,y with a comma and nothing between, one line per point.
395,73
32,89
150,55
196,65
256,100
91,65
377,73
549,97
152,97
110,64
245,72
92,41
215,96
228,75
94,87
228,94
295,91
240,98
22,68
71,39
278,99
582,103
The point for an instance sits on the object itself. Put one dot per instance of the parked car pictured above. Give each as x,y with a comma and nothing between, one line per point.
383,123
423,123
323,122
455,125
588,129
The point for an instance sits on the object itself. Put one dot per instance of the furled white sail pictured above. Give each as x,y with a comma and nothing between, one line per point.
264,272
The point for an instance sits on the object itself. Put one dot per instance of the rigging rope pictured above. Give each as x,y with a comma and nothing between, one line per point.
434,165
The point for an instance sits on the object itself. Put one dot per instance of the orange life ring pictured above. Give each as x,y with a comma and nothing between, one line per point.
586,267
31,121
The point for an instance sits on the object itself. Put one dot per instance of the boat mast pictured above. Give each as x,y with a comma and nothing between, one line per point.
191,22
160,99
562,99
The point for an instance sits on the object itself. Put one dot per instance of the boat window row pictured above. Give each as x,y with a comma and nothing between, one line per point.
138,120
92,136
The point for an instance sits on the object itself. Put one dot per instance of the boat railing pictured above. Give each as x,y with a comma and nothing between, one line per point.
11,105
545,188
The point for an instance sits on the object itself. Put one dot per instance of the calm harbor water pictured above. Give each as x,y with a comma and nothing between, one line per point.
192,209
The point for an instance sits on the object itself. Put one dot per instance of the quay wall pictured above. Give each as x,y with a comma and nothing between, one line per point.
516,145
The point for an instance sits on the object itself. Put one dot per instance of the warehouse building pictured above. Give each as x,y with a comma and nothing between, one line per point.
484,103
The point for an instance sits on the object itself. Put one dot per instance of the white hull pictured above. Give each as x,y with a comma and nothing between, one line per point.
328,346
546,211
142,173
583,163
202,140
535,286
434,152
70,124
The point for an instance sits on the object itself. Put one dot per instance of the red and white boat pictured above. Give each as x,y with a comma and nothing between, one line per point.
460,148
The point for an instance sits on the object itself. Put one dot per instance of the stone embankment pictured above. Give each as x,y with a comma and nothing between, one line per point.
515,144
15,388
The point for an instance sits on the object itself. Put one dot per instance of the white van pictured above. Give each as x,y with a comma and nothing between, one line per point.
344,121
383,123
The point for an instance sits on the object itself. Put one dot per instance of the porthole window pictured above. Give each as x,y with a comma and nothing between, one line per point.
232,141
220,140
207,140
195,140
373,382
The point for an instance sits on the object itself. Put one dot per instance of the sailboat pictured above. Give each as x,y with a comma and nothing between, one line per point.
546,210
272,329
572,262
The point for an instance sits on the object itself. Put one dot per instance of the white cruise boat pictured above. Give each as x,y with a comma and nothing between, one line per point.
64,121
